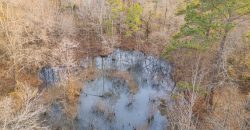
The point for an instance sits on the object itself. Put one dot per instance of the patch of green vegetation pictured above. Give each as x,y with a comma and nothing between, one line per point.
175,96
248,34
183,86
182,8
117,6
108,25
175,45
71,6
244,7
206,22
133,19
132,16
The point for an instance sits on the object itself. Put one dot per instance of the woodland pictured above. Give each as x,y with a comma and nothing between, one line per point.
206,43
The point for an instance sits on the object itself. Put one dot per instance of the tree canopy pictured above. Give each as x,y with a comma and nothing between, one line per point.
206,22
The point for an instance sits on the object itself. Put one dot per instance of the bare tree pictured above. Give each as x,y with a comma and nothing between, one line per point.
27,117
26,26
180,112
64,57
229,111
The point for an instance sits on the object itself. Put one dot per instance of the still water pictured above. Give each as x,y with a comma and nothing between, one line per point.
127,93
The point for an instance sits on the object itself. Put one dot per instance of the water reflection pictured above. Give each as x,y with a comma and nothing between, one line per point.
126,95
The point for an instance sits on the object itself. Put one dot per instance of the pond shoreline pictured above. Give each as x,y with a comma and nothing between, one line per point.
123,65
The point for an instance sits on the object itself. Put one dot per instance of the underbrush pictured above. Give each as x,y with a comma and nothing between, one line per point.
21,109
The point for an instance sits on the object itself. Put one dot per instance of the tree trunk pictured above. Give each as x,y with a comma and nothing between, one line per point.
216,67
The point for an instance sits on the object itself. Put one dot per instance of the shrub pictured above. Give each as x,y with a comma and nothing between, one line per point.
27,116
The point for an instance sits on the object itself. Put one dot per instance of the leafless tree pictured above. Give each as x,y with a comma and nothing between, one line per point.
27,117
64,57
180,112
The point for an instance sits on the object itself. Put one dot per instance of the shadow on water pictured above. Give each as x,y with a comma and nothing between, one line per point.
127,94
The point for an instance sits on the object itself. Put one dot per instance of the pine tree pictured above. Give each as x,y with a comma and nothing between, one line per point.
133,19
208,22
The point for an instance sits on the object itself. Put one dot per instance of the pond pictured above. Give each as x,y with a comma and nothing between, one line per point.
127,94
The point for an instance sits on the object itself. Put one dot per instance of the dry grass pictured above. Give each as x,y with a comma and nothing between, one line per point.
53,94
68,94
229,111
133,87
102,109
72,96
21,110
32,79
90,73
73,91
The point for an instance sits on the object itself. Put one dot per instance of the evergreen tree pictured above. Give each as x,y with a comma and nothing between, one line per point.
133,19
208,22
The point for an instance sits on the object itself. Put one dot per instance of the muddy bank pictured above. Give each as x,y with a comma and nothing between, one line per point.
93,47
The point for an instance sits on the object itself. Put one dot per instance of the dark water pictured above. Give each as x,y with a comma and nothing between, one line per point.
47,74
52,75
125,95
128,101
